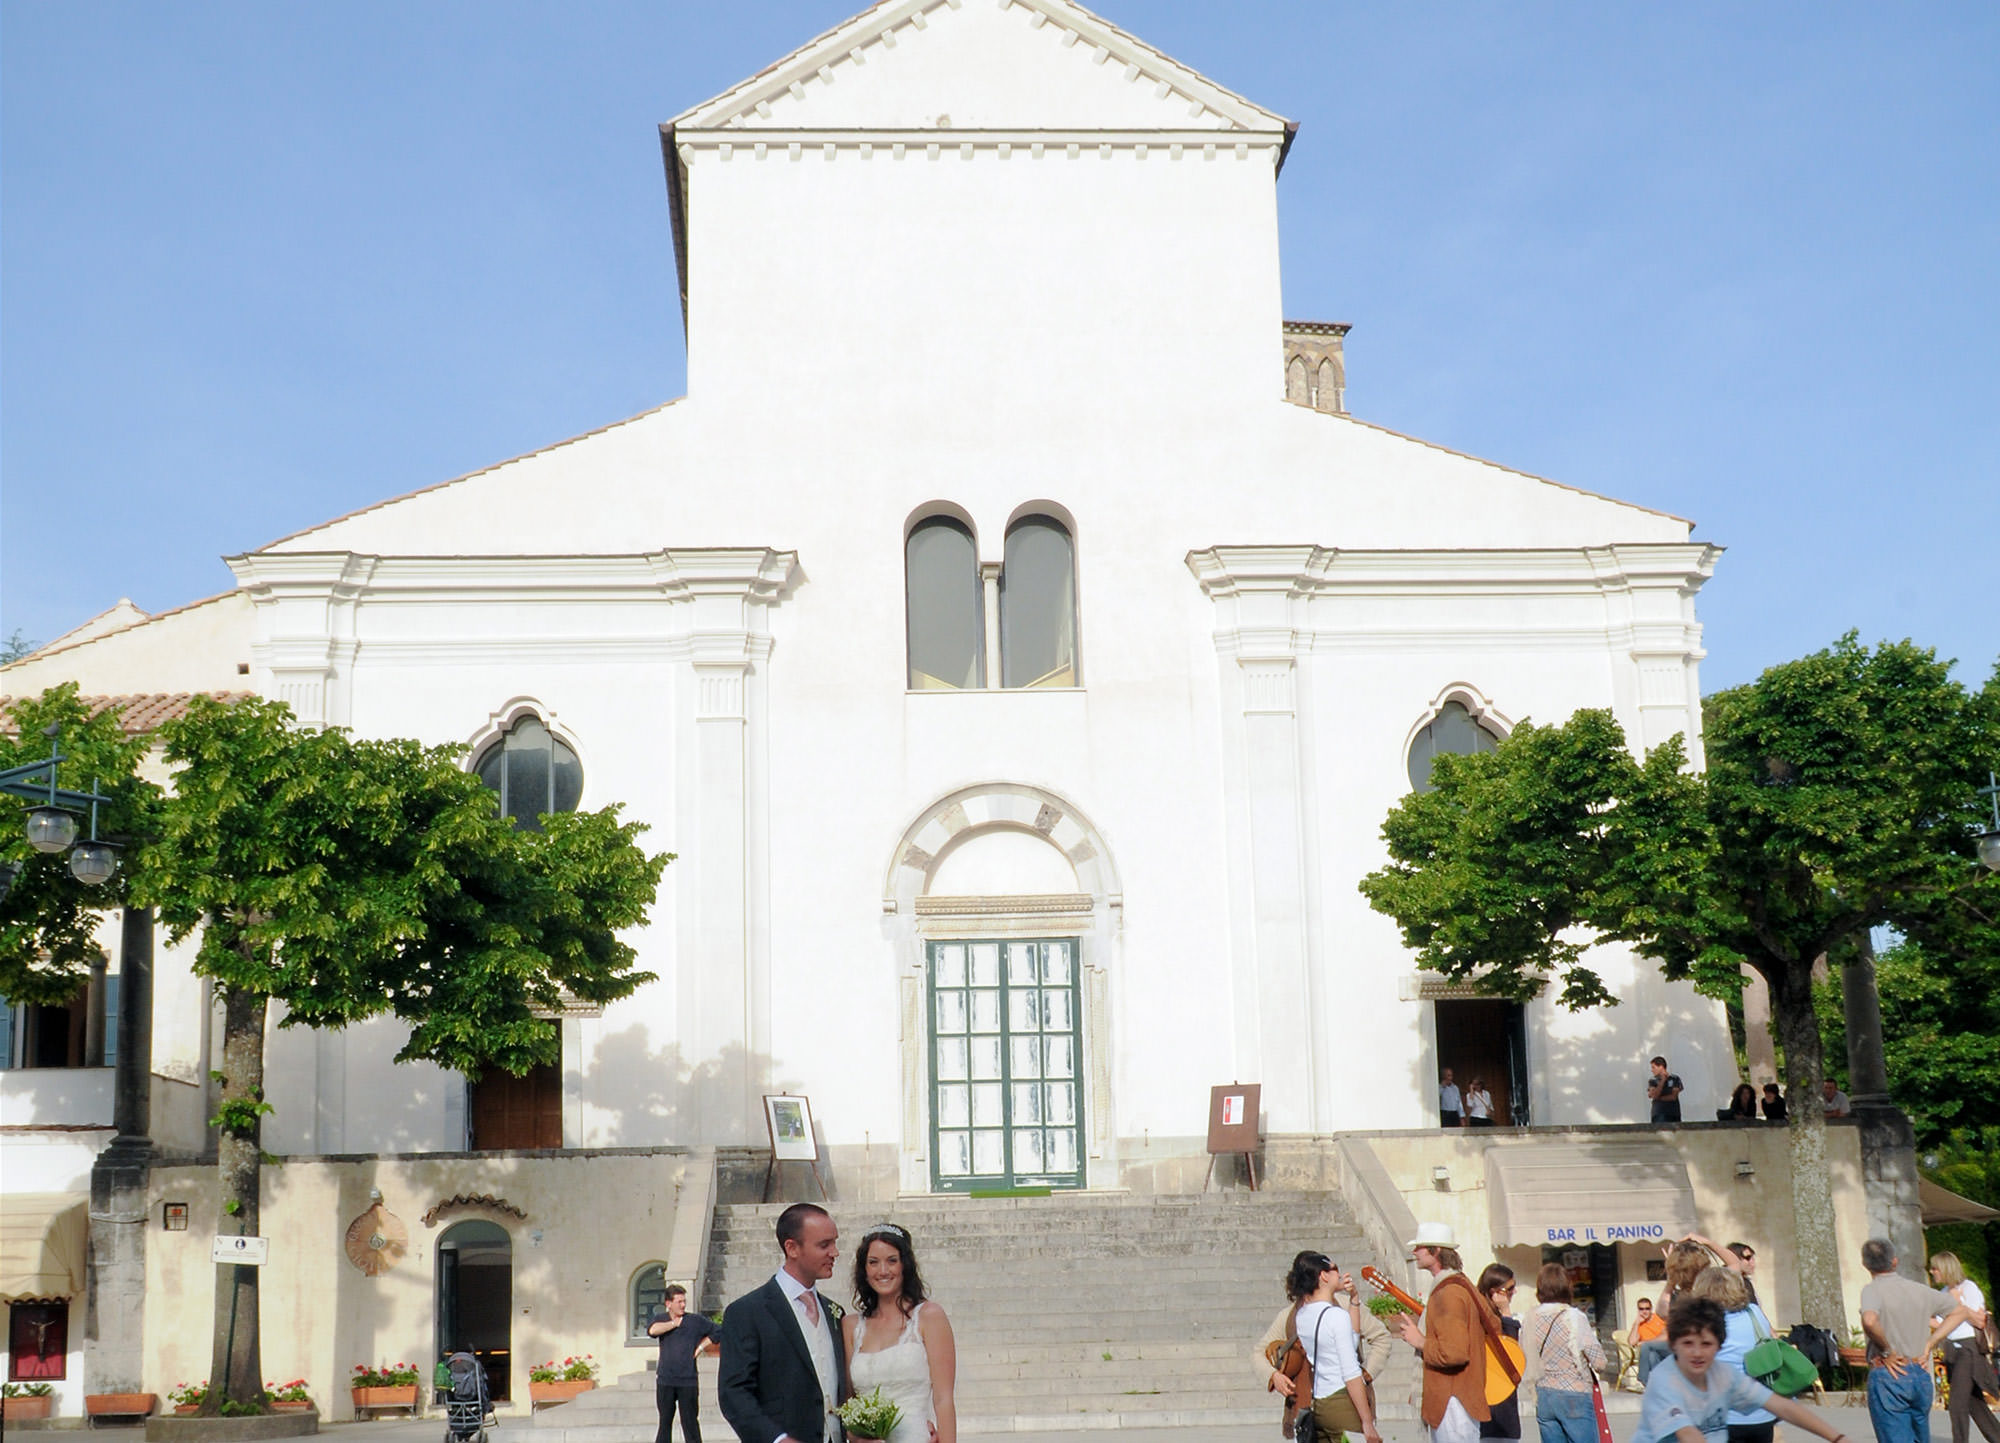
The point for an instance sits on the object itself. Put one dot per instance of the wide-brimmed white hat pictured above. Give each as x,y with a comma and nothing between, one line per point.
1433,1235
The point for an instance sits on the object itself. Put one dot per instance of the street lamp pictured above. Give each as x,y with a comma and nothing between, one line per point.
53,823
1989,842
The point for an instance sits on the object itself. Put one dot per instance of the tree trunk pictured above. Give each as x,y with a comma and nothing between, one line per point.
237,1368
1814,1250
1888,1142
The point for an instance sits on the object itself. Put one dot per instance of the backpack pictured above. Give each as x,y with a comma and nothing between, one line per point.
465,1378
1777,1364
1817,1344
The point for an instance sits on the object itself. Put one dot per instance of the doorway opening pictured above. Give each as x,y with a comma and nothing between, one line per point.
475,1298
1487,1038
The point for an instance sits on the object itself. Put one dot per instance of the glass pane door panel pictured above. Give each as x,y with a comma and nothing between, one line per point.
1005,1104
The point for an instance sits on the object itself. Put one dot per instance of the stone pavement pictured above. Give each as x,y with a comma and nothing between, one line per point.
1852,1420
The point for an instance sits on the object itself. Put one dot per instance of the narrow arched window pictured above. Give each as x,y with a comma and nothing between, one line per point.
944,610
1295,381
648,1291
1454,730
1038,605
533,772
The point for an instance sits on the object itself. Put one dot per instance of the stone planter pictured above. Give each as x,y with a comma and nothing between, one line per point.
552,1393
120,1405
401,1396
20,1410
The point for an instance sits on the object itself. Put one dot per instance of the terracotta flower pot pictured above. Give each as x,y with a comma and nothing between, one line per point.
122,1404
1854,1357
559,1392
20,1410
402,1395
186,1410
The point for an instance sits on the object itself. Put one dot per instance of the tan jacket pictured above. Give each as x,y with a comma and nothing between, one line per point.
1455,1349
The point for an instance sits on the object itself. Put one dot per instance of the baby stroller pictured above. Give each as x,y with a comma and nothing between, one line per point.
467,1407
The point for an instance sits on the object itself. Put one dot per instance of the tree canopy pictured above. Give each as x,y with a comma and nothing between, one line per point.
1840,793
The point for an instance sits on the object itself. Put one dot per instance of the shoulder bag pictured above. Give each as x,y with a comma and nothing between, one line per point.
1777,1364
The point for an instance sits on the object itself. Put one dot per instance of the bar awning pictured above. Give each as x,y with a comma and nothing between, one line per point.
1554,1193
44,1244
1942,1205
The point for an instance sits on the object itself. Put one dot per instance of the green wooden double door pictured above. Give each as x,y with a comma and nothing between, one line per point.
1006,1064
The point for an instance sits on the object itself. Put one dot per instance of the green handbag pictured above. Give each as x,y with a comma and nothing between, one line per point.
1777,1364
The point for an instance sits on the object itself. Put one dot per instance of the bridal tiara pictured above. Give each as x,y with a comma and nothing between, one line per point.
887,1230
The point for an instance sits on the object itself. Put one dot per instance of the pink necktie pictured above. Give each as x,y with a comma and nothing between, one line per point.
807,1302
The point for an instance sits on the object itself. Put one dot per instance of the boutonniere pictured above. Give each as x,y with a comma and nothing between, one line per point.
833,1309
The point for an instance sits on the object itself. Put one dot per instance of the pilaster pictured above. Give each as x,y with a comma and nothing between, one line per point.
720,602
305,639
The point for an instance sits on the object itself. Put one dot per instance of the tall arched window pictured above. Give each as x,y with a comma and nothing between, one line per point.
533,771
944,610
1038,605
1454,730
648,1290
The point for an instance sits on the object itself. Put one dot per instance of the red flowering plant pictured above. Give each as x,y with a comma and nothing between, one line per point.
569,1370
292,1392
389,1375
188,1395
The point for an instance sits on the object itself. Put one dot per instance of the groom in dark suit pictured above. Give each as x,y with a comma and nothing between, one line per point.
783,1366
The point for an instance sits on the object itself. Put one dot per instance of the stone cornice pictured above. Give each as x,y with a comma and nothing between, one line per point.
1303,570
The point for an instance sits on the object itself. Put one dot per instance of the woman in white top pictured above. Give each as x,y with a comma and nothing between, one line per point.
899,1342
1478,1104
1328,1332
1966,1368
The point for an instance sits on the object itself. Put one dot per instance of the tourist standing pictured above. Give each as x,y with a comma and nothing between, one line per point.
1690,1395
1451,1105
677,1387
1496,1285
1744,1327
1452,1341
1685,1260
1968,1371
899,1341
1663,1090
1478,1104
1374,1344
1340,1401
1896,1315
1571,1356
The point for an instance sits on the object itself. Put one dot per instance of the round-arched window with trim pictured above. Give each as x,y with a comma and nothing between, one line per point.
648,1291
533,771
1455,730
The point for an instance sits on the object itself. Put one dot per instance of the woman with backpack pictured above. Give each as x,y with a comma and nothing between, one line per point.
1746,1327
1571,1357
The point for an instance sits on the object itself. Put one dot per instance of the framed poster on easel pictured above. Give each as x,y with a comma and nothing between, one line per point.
789,1120
1232,1126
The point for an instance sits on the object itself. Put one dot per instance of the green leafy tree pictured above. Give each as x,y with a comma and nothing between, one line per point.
1839,795
17,646
49,919
349,878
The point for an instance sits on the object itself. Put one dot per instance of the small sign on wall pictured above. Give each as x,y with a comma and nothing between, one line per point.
245,1252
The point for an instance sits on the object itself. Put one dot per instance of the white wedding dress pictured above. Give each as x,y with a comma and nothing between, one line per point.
903,1372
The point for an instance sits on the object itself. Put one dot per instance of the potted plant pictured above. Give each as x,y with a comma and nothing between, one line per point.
26,1400
288,1397
188,1397
1854,1352
119,1405
554,1382
393,1385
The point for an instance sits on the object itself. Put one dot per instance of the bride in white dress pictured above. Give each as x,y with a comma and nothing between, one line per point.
898,1341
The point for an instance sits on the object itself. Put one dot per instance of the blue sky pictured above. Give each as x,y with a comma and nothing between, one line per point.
261,264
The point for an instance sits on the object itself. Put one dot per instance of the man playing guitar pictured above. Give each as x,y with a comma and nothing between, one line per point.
1452,1340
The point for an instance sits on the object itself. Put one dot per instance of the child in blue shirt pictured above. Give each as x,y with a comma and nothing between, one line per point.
1689,1396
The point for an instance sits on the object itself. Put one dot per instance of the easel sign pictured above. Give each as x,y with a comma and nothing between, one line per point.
789,1120
1232,1125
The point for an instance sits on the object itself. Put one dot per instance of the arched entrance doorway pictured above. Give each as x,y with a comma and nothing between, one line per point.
1005,909
475,1298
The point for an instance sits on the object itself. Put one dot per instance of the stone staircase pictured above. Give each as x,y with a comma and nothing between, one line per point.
1081,1310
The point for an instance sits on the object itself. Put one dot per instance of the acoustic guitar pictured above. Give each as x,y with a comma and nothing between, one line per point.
1504,1358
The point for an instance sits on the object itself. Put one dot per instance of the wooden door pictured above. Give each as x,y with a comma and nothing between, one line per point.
510,1112
1481,1037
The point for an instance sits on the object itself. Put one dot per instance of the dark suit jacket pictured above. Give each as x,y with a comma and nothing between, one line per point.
767,1385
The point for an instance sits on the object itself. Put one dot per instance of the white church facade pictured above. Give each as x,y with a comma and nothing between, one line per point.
1022,728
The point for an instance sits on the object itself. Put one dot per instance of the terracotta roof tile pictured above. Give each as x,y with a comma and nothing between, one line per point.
139,712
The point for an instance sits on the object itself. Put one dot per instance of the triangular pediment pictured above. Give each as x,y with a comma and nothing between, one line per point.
980,65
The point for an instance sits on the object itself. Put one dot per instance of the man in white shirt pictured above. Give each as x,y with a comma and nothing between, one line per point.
1837,1104
783,1369
1451,1105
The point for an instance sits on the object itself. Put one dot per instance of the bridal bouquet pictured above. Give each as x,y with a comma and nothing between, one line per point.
872,1416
